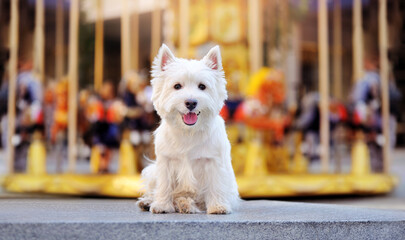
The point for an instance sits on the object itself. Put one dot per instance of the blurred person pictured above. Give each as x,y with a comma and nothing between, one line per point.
366,99
4,55
105,114
29,114
308,121
140,116
84,129
3,113
56,106
129,87
49,98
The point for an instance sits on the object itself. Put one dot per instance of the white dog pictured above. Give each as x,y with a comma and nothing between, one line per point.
193,170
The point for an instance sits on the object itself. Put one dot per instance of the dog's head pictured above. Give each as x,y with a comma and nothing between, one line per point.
188,93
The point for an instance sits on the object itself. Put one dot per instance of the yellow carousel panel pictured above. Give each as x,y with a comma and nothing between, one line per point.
281,185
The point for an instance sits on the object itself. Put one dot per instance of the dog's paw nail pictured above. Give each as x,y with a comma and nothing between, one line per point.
185,205
161,208
218,210
144,205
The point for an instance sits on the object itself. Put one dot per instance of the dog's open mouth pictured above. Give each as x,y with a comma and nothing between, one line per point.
190,118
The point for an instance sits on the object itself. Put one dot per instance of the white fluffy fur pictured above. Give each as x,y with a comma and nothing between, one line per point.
193,170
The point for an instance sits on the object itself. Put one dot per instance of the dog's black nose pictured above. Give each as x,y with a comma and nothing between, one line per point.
191,104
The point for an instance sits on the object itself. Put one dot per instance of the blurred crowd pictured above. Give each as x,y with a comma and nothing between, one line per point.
104,116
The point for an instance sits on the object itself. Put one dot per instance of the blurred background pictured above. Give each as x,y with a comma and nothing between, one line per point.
308,82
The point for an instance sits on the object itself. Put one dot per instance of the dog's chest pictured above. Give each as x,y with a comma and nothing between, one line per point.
190,147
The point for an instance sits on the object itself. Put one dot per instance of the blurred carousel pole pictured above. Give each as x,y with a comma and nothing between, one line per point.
12,82
184,28
337,49
323,82
99,46
134,31
384,75
156,26
270,22
59,41
284,46
39,42
357,41
255,35
125,39
73,79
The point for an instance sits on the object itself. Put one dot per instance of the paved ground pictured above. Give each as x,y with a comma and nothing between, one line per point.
121,219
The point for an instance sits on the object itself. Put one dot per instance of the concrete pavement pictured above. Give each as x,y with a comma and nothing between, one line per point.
121,219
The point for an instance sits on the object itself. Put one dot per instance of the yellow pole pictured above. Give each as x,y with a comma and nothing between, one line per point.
184,27
337,49
323,82
255,43
169,22
12,67
134,46
99,47
39,40
271,22
59,55
125,41
156,25
357,41
384,74
73,78
284,24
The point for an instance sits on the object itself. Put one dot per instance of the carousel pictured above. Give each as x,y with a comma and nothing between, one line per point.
268,152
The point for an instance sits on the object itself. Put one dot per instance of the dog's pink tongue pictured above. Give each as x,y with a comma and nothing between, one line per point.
190,118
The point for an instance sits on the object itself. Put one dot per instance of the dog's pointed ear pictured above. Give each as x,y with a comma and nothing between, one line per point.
213,59
164,57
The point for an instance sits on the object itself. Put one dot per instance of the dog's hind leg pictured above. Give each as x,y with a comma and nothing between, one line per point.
149,184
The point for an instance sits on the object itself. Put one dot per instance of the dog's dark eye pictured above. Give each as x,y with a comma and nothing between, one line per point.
177,86
201,86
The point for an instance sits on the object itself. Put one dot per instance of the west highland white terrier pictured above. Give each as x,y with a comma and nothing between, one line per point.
193,170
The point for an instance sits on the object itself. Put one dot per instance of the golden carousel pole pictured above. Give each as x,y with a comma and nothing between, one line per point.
98,74
384,74
73,79
255,35
337,49
271,21
39,59
184,28
134,27
337,75
36,155
59,36
12,87
360,152
255,165
156,33
357,41
284,25
99,47
125,40
323,82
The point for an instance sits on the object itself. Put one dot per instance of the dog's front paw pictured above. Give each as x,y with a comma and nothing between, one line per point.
162,208
218,209
185,205
144,204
